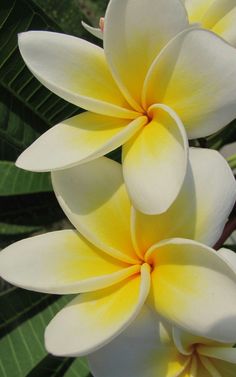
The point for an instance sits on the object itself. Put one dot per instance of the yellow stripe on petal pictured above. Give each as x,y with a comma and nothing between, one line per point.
75,70
225,27
61,262
196,9
135,32
96,202
93,319
212,370
191,77
155,162
195,212
79,139
188,283
217,11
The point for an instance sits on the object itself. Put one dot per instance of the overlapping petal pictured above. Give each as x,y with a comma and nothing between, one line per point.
221,353
61,262
139,351
217,15
196,76
217,10
225,27
225,368
201,209
94,198
229,256
197,9
93,319
135,32
75,70
155,161
76,140
186,342
188,283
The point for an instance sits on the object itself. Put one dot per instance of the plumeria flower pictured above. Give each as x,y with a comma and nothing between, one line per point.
151,347
119,258
148,90
216,15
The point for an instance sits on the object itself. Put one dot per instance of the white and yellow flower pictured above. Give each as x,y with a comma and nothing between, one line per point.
219,16
151,347
120,258
148,90
216,15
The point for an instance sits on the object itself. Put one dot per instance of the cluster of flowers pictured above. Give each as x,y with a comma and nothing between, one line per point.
150,284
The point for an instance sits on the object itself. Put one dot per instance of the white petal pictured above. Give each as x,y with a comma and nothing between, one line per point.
75,70
155,162
225,27
194,288
222,353
94,198
197,9
139,351
93,319
196,76
135,32
229,256
60,262
215,190
201,209
77,140
96,31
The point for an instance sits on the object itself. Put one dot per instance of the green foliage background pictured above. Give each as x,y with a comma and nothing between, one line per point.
27,203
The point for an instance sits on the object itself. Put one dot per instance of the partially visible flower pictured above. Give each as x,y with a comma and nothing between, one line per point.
151,347
122,258
148,90
216,15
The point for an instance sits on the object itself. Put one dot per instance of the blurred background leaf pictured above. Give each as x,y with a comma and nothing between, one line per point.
15,181
23,319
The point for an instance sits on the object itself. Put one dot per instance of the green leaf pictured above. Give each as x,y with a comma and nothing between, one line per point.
15,181
115,155
68,14
19,126
24,318
22,214
231,247
93,9
232,161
